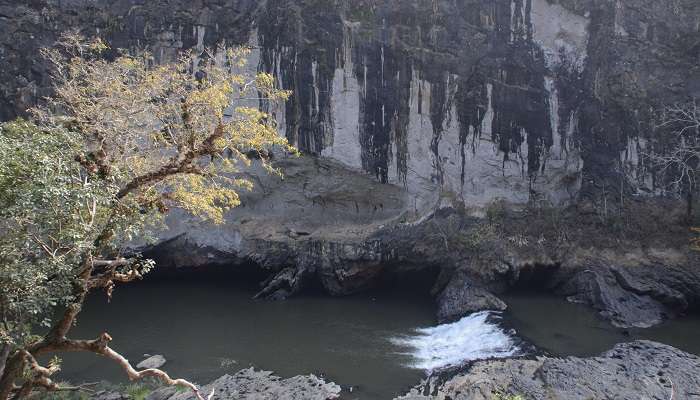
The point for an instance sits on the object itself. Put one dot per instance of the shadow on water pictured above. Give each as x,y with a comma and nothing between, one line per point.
207,325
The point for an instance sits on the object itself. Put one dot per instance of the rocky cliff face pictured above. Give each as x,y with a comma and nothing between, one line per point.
414,115
524,100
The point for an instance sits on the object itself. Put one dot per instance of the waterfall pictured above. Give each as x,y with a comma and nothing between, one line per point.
473,337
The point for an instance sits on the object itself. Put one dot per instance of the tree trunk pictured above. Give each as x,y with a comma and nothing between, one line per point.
4,354
13,369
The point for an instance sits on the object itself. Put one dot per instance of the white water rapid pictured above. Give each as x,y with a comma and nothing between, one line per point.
473,337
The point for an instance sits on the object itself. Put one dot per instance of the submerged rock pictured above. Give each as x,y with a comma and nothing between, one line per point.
636,370
156,361
250,384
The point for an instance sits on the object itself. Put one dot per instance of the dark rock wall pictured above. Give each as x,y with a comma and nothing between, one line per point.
524,100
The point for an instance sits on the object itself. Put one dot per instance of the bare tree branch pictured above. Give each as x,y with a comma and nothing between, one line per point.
679,162
101,346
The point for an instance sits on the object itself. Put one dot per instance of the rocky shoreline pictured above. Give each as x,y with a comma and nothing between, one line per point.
247,384
639,369
636,370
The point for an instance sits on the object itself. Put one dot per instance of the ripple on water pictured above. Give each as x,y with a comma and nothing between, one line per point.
473,337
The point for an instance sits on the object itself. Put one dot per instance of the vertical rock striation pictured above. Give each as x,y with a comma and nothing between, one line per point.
523,100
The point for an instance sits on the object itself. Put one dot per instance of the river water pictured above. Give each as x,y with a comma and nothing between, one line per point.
379,343
562,328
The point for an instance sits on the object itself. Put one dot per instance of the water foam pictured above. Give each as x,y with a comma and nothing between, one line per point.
473,337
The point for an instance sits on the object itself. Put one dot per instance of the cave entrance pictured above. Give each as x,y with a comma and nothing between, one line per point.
535,278
247,275
412,279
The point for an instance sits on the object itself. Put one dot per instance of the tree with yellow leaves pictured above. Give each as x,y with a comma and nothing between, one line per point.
120,142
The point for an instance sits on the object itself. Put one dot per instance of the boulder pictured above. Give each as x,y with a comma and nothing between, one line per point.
463,296
638,296
156,361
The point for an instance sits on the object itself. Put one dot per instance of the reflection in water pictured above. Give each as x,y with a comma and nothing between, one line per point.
473,337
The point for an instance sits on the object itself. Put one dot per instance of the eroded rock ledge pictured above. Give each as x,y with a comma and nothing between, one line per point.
329,226
637,370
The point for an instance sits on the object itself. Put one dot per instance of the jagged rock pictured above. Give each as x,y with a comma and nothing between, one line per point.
280,286
338,208
164,393
156,361
601,290
108,395
250,384
463,296
630,371
639,296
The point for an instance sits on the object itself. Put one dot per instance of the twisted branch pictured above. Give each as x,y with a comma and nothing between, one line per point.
101,346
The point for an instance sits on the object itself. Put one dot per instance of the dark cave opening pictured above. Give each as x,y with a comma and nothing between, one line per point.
408,277
394,279
248,275
535,277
